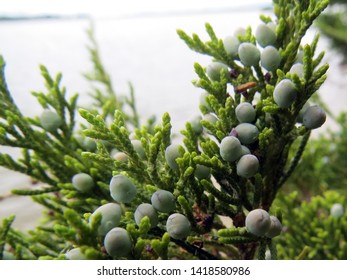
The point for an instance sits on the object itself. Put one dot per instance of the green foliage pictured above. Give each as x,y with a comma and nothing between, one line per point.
311,231
323,164
333,25
203,203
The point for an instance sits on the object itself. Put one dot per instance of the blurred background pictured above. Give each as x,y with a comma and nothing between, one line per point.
138,44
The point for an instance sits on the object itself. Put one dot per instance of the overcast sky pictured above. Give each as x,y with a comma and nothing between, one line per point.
115,7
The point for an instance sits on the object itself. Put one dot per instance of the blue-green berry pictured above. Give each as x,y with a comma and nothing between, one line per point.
245,112
178,226
82,182
258,222
122,189
163,201
302,111
203,101
337,210
50,120
146,210
172,152
247,133
231,46
118,243
275,227
196,125
249,54
313,117
272,26
240,32
230,148
285,93
75,254
298,69
211,118
202,172
214,69
245,150
86,143
247,166
89,144
265,35
111,214
139,149
120,156
270,58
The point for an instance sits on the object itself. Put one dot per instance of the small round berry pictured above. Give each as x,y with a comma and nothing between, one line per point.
249,54
196,125
337,210
258,222
79,139
270,58
302,111
265,35
203,101
245,150
247,166
272,26
214,70
86,143
285,93
313,117
231,46
122,189
75,254
171,154
178,226
118,242
146,210
82,182
202,172
247,133
110,217
240,32
230,148
298,69
163,201
121,156
50,120
245,112
89,144
139,149
210,118
275,227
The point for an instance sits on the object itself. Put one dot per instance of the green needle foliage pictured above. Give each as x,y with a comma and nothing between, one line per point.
323,164
312,231
208,189
333,25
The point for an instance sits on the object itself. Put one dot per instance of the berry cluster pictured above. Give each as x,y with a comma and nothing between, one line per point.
258,52
260,223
